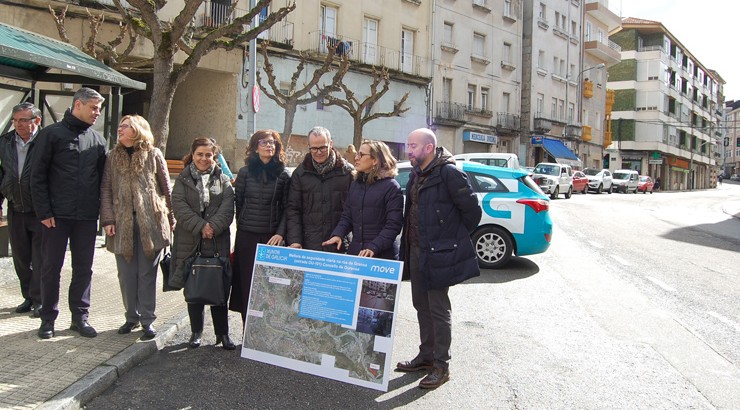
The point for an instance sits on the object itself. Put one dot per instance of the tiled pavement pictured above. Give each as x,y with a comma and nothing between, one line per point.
59,372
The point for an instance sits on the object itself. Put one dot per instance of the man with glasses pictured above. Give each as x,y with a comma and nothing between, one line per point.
441,212
16,151
66,173
318,189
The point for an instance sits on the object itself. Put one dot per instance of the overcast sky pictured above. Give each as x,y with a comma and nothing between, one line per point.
707,28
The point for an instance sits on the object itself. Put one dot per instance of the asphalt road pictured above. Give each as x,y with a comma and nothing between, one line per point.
634,306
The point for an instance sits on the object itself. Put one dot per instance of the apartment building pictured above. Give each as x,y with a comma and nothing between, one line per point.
552,62
476,85
730,164
667,108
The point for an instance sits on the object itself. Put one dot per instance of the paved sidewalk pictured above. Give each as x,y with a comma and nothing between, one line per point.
68,370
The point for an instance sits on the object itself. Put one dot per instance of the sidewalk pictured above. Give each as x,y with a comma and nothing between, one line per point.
68,370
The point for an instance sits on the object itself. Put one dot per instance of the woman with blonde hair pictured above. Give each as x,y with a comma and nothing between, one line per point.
373,211
136,214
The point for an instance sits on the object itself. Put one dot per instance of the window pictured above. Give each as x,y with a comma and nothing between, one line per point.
561,110
507,8
448,33
541,59
540,105
471,96
572,72
487,183
587,32
555,65
505,100
370,46
479,42
557,18
573,28
484,99
562,67
506,53
543,12
447,90
407,50
328,27
600,35
562,21
554,109
571,111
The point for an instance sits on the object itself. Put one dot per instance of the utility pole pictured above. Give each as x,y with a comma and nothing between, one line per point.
251,114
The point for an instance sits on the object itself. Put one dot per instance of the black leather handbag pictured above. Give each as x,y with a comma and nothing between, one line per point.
209,278
164,266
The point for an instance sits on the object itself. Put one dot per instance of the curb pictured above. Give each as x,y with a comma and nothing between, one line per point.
98,380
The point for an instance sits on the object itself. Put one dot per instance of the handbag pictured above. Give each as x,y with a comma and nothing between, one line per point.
164,266
208,278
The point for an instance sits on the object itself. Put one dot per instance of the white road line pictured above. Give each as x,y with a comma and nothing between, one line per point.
596,245
660,283
725,320
620,260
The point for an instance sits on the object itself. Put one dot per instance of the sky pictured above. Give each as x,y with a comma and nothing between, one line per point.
706,28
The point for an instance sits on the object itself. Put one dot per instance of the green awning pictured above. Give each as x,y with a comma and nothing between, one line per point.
25,55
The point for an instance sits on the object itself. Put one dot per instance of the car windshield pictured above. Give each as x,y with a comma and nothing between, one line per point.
643,179
592,172
621,175
547,170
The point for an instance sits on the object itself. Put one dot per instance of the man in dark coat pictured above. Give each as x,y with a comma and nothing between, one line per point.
441,212
66,173
16,152
318,188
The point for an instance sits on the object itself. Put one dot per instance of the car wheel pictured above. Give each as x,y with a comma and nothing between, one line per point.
600,189
555,193
493,247
585,189
644,191
569,193
651,192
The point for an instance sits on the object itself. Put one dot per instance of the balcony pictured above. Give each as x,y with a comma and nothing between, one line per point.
609,52
507,123
448,113
609,101
449,47
541,124
542,23
414,2
599,9
586,133
480,112
573,131
212,14
481,5
507,65
560,32
588,88
370,54
607,139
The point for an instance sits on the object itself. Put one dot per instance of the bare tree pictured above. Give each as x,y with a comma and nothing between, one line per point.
294,96
181,34
361,111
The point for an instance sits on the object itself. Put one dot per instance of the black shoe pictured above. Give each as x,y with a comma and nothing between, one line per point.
37,310
436,378
46,331
414,365
226,343
195,339
25,306
149,332
127,328
83,328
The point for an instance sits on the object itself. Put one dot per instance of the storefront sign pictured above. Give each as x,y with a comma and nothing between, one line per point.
677,162
479,137
537,140
655,161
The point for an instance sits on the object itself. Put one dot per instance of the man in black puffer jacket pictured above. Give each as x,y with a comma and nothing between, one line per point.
16,153
65,175
318,189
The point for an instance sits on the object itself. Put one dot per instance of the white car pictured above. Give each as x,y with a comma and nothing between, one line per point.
599,180
498,159
626,180
554,179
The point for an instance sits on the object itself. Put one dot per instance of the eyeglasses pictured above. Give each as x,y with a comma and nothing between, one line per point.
322,148
361,154
266,143
124,126
24,120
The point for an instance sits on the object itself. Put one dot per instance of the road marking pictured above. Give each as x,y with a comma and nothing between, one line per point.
661,284
725,320
596,245
620,260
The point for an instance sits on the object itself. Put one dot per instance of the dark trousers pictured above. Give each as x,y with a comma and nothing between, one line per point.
245,247
219,315
434,312
81,238
25,239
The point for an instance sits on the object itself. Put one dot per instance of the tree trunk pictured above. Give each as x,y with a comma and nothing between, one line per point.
290,110
163,93
357,138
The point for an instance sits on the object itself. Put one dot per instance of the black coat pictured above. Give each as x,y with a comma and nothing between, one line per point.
261,195
15,186
67,170
374,215
448,212
315,202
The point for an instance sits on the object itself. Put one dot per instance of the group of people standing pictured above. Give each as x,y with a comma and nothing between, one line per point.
327,204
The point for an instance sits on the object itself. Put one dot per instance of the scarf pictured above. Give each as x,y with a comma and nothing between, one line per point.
328,165
204,182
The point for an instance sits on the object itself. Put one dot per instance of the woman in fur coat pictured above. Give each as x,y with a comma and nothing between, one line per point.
261,194
136,214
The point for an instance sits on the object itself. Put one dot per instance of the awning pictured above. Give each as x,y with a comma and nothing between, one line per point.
560,152
25,55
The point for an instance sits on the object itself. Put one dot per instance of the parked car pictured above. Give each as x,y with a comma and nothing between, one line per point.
645,184
580,182
599,180
516,213
554,179
499,159
625,180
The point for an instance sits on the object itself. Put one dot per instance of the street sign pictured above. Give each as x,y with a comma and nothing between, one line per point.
256,98
655,161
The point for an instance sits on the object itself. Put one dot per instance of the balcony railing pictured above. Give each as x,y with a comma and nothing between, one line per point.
541,123
507,122
450,112
212,15
370,53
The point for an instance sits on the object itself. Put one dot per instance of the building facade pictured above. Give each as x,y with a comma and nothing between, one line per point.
667,108
730,163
